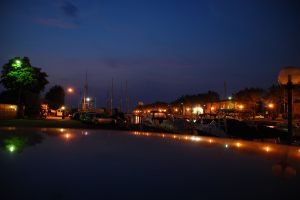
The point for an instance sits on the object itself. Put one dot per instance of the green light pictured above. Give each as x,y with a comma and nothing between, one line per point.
11,148
230,97
17,63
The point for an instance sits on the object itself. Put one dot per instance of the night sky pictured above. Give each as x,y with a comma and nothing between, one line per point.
164,48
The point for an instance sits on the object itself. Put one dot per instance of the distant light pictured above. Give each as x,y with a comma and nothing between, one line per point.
267,149
17,63
198,110
212,108
63,108
195,139
70,90
230,98
210,140
271,105
11,148
67,135
241,107
226,145
238,144
88,99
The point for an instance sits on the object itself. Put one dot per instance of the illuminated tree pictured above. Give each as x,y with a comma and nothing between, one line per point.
19,76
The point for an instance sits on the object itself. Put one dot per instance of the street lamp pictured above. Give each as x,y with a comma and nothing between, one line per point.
70,90
289,77
271,105
17,63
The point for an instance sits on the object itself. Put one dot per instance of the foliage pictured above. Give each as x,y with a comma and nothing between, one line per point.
209,96
254,96
19,74
55,97
250,95
20,78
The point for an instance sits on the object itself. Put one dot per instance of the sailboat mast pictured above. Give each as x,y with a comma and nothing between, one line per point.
112,96
85,93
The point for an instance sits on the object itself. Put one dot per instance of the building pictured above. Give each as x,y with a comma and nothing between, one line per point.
8,111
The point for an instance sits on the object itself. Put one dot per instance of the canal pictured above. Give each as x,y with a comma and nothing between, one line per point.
50,163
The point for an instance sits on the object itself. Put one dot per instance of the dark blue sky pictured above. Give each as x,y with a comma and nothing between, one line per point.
164,48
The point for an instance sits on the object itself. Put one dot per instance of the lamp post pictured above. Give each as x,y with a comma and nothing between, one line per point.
289,77
270,108
70,91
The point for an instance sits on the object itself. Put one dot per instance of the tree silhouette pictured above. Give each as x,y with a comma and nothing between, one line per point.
251,96
55,97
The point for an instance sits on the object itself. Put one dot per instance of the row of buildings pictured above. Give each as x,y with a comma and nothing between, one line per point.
229,107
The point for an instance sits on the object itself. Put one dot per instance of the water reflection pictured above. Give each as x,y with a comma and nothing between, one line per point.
258,147
282,169
100,162
15,142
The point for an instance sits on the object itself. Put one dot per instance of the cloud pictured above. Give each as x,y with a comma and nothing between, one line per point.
56,23
70,9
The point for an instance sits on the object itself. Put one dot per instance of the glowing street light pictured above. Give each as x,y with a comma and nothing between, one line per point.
241,107
11,148
17,63
271,105
70,90
88,99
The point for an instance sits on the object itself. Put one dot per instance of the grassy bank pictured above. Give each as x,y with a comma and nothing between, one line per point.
67,123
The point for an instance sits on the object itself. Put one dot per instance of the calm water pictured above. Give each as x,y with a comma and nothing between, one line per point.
100,164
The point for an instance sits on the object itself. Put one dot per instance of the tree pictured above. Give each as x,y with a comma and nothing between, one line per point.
55,97
251,96
20,77
276,95
208,97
